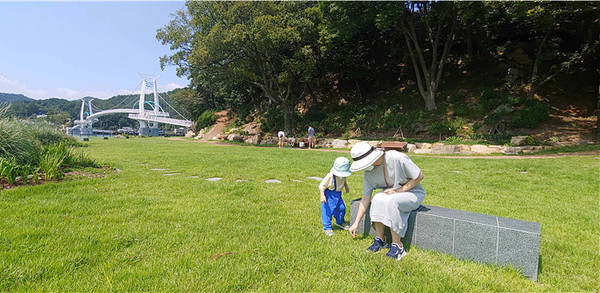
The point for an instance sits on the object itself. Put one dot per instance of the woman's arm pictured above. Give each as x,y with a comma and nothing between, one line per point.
407,186
362,209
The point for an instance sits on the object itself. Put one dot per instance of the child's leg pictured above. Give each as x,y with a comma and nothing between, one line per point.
326,215
340,211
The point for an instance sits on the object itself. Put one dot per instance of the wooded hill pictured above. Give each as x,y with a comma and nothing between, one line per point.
444,69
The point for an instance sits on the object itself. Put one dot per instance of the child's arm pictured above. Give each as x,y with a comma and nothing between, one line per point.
323,198
346,186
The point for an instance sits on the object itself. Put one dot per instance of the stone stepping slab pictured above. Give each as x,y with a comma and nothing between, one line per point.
213,179
170,174
273,181
315,178
157,169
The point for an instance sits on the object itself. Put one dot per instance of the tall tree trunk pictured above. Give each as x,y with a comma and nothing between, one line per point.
287,118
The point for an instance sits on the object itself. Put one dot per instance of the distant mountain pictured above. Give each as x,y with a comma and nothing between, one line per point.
5,97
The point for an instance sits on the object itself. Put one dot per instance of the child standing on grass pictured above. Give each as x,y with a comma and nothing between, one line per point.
331,188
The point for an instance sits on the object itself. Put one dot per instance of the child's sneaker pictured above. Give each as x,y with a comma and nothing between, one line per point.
396,252
376,246
329,232
344,226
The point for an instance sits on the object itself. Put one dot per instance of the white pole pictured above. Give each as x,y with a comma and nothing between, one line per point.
156,105
142,98
82,108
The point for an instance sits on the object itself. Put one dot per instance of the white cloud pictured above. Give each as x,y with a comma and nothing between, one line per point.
169,87
16,87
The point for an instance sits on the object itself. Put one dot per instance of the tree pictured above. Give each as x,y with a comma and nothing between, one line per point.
230,47
429,31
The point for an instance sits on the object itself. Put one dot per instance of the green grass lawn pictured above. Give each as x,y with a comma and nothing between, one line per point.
139,230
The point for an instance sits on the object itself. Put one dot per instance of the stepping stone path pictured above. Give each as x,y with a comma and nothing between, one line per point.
273,181
315,178
158,169
193,176
297,180
523,172
241,180
456,171
214,179
170,174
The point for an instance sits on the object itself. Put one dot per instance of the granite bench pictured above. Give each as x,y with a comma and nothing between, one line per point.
472,236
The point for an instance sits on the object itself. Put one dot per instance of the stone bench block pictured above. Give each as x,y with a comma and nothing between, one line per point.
470,236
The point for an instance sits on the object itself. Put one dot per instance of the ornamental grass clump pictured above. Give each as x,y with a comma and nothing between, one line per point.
9,169
28,148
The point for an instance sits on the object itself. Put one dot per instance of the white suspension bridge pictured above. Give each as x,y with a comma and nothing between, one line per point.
147,118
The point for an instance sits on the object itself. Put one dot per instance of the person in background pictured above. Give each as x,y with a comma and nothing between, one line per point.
281,136
311,137
331,188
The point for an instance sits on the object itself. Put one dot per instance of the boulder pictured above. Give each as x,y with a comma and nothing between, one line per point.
419,127
504,108
190,134
339,143
422,151
374,143
410,148
518,140
480,149
325,142
423,145
235,137
440,148
352,142
511,150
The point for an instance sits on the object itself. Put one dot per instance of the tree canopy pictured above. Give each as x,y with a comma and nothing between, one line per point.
304,59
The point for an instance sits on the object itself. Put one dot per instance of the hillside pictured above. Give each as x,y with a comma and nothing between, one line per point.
9,98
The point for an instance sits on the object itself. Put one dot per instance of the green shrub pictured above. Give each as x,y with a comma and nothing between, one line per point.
79,159
9,168
207,118
52,159
16,141
531,115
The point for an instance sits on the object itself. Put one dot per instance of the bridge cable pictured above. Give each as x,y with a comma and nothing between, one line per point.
164,100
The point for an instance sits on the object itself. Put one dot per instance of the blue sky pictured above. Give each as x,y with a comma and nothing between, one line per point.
74,49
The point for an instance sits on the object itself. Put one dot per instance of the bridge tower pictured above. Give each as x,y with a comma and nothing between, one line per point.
148,128
85,125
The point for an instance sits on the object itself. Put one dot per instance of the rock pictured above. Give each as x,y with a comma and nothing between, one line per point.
419,127
423,145
235,137
480,149
440,148
518,140
352,142
462,91
221,137
339,143
190,134
410,148
374,143
484,129
505,108
463,148
422,151
495,148
325,142
511,150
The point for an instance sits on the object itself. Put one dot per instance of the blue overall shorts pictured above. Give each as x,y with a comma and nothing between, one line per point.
334,206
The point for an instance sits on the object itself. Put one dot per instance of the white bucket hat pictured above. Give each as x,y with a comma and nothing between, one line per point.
341,167
364,155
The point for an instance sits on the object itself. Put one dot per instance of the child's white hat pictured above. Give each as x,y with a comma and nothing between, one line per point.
341,167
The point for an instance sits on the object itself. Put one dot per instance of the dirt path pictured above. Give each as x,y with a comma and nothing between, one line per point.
220,123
